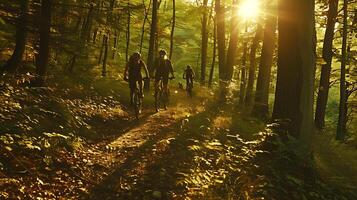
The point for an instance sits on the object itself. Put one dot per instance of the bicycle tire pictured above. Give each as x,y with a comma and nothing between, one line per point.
137,101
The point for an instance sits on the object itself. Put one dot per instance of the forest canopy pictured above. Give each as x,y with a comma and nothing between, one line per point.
178,99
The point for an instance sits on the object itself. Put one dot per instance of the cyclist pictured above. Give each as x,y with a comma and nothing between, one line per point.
189,75
163,68
132,74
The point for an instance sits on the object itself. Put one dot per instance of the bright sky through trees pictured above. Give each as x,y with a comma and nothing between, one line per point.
249,9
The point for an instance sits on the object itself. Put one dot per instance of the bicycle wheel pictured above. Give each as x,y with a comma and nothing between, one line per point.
157,99
189,90
165,99
137,104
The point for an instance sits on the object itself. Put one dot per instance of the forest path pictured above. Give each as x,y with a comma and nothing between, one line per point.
141,150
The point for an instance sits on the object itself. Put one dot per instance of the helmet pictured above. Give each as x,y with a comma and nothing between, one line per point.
162,52
136,55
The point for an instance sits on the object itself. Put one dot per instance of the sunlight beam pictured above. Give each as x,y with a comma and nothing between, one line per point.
249,9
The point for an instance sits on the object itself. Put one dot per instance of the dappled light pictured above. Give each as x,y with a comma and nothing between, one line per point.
178,100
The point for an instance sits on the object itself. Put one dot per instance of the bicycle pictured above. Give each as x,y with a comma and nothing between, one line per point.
161,96
189,87
137,100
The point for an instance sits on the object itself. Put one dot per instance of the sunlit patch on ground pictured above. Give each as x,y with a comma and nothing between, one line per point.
222,122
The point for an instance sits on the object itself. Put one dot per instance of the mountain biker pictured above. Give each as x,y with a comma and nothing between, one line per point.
163,68
132,74
189,75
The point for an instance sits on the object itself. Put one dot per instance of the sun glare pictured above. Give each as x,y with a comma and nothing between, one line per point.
249,9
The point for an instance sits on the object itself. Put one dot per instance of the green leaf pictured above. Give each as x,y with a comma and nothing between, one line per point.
2,22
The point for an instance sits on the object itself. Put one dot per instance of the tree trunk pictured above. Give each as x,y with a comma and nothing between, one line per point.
204,42
21,34
172,28
220,20
233,41
261,104
85,32
251,75
115,44
44,52
243,81
296,67
326,68
214,53
153,36
342,118
95,36
143,26
127,37
101,51
104,69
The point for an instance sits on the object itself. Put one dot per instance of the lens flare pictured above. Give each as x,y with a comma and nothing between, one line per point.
249,9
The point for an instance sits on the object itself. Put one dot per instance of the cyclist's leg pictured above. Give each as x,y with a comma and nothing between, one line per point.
156,84
141,86
132,86
165,81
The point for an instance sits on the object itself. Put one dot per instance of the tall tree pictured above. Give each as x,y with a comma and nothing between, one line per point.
153,37
143,26
296,67
261,105
210,80
21,34
172,28
252,57
105,56
326,67
204,41
127,35
233,41
220,20
44,52
342,118
243,81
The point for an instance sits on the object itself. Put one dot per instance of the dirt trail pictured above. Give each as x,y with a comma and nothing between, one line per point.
137,148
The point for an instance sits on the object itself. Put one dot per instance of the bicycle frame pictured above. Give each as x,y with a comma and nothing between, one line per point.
161,96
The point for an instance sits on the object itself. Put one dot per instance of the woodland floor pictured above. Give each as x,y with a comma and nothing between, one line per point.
197,149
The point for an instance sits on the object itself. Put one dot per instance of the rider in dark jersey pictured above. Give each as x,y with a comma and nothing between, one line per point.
189,75
163,68
133,74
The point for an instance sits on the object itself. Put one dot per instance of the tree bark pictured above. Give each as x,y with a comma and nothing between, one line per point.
342,118
243,81
214,53
261,104
153,36
220,20
172,28
21,34
85,32
233,41
296,67
143,26
127,36
44,52
104,69
251,75
326,68
204,41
